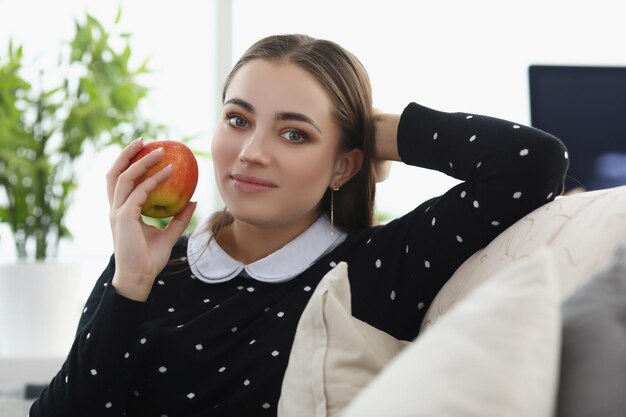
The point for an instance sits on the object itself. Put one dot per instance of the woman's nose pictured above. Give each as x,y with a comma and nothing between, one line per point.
255,149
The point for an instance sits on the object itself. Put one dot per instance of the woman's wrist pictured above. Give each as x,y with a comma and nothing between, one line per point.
132,289
386,126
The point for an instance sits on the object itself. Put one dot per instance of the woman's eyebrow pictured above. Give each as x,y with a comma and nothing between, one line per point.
279,116
243,103
297,116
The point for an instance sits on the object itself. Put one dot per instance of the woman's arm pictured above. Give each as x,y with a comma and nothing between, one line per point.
95,378
507,170
386,126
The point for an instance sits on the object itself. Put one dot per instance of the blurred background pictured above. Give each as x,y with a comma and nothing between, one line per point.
451,55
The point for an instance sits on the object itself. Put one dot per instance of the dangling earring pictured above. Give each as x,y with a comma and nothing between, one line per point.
334,188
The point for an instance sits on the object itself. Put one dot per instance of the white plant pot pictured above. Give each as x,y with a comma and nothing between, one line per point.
40,306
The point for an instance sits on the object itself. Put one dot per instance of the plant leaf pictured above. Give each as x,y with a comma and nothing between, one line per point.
118,16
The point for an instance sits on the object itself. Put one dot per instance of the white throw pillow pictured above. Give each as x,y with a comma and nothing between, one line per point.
334,355
495,354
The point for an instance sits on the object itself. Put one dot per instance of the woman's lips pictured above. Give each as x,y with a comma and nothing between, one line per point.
251,184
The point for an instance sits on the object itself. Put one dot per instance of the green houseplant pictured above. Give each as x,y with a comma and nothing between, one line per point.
43,131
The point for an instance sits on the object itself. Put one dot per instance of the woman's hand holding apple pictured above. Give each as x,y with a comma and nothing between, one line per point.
141,251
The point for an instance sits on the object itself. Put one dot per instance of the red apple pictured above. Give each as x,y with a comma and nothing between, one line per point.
171,196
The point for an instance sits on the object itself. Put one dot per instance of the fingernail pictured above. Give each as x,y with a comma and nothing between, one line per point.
139,139
160,149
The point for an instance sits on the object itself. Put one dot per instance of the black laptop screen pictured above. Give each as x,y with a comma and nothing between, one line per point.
585,107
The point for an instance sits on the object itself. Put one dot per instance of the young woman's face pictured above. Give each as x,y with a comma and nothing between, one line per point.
275,151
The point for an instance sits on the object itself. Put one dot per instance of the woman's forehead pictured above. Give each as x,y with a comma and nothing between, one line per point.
279,87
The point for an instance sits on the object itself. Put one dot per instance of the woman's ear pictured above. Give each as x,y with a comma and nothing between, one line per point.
347,165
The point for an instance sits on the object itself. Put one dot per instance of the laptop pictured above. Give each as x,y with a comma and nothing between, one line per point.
585,107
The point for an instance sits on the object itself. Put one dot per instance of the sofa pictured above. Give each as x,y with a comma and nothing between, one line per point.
534,324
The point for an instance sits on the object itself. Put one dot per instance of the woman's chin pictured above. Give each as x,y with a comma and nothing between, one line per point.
253,219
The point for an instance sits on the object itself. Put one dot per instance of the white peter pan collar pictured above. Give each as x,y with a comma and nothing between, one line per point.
211,264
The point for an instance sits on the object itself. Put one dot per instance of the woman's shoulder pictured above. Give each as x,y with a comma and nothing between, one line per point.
386,233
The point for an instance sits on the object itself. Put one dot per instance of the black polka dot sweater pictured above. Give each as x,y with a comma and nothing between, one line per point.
198,349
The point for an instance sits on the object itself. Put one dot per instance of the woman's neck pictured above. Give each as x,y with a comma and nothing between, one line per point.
248,243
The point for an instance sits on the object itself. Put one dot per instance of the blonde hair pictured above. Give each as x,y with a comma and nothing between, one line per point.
345,80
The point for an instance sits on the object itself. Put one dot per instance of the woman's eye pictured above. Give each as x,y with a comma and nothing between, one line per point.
236,120
294,136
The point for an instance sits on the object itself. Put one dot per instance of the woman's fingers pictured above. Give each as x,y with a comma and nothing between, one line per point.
121,163
126,180
139,194
179,223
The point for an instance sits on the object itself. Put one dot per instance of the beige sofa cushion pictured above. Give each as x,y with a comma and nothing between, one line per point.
495,354
582,229
334,355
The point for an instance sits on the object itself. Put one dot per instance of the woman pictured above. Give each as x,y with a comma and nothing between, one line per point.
203,325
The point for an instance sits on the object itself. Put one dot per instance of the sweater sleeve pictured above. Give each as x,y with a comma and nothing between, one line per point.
507,170
95,378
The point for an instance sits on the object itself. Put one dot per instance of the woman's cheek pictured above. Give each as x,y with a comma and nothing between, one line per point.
312,173
221,152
